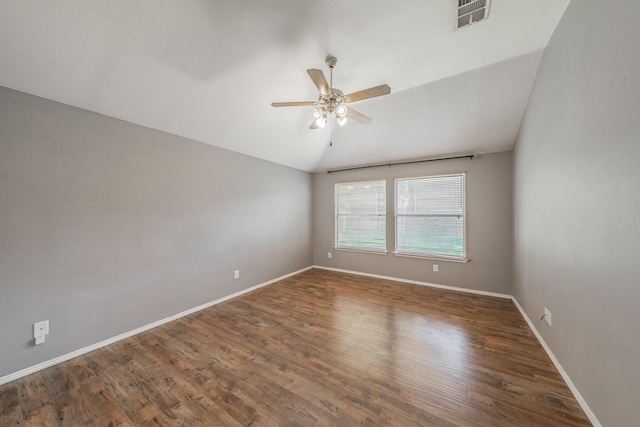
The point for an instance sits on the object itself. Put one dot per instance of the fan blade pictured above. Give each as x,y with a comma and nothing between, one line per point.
358,117
320,81
314,124
368,93
293,104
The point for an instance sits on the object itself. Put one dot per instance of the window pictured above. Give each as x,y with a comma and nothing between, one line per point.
430,216
361,220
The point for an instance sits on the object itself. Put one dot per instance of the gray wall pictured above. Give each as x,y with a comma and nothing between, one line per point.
577,204
489,225
106,226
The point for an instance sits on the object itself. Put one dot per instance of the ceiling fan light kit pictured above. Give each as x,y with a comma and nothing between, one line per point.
332,101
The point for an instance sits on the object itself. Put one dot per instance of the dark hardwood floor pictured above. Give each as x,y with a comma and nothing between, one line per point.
320,348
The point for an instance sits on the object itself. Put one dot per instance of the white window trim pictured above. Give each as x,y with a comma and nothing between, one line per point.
364,251
433,257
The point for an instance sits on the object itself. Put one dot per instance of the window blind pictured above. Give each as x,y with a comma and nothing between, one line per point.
360,210
430,216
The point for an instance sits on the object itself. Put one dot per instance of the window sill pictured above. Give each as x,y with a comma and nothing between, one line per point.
364,251
434,257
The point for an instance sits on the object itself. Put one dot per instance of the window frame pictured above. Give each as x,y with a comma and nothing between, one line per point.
336,221
427,255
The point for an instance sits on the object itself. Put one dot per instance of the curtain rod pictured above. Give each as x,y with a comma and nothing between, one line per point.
470,156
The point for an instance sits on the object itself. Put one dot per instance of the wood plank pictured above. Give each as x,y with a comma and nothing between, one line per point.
318,348
10,406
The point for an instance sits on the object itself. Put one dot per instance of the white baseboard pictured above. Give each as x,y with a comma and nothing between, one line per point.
583,404
416,282
46,364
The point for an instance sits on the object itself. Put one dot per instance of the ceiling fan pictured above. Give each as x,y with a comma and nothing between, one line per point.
333,101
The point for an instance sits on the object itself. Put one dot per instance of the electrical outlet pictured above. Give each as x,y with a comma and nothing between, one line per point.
40,331
329,255
547,316
236,274
435,267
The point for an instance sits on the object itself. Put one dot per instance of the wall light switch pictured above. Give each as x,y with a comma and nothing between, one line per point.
435,267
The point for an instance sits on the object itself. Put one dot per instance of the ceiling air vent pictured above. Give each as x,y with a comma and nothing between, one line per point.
472,11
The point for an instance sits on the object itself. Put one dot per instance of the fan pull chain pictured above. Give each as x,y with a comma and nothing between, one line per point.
331,131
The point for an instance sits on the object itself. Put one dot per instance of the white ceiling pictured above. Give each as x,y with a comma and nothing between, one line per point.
208,70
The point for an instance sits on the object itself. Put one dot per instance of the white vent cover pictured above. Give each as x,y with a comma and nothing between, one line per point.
472,11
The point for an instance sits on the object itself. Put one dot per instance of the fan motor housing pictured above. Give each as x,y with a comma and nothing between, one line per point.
331,102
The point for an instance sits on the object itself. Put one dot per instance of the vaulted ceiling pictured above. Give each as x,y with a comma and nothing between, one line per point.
208,70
